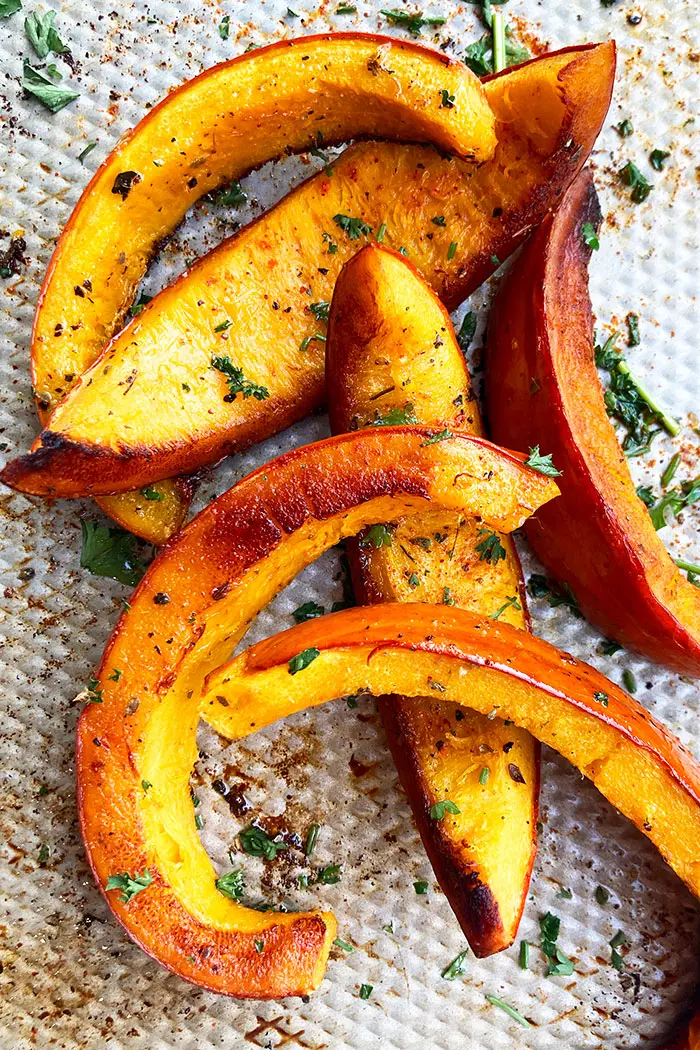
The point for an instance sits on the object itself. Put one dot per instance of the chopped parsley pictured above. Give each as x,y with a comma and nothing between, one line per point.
601,698
9,7
320,310
311,839
353,227
380,233
447,598
616,959
396,417
302,660
542,464
628,400
452,251
421,887
657,158
539,587
259,946
143,300
511,602
232,885
524,955
43,88
633,338
466,331
669,473
447,102
413,581
624,128
629,681
223,326
231,196
332,246
602,895
456,967
152,494
508,1009
439,809
365,991
42,35
484,775
225,27
443,435
329,875
589,236
308,611
94,692
129,885
490,548
115,675
110,552
412,23
674,502
86,153
346,9
438,220
559,964
237,383
377,536
146,785
257,843
565,894
632,177
692,570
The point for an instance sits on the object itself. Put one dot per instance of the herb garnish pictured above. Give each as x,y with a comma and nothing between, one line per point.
311,839
624,128
9,7
629,681
674,501
448,102
632,177
307,611
86,151
257,843
130,885
344,945
670,471
365,991
510,1010
630,402
484,775
442,436
42,35
456,967
657,158
225,27
539,587
542,464
602,895
110,552
152,494
466,331
524,955
328,876
237,383
438,220
601,698
490,548
332,246
692,570
378,536
511,602
452,250
302,660
232,885
396,417
559,964
352,226
346,9
43,88
439,809
413,23
421,887
616,958
232,196
633,338
320,310
94,692
589,236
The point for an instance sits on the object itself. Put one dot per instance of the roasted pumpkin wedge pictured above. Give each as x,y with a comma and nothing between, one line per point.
136,745
543,389
494,668
392,354
276,100
180,385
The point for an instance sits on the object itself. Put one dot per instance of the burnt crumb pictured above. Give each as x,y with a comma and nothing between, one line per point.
220,592
26,574
192,183
124,183
12,260
161,598
515,773
509,746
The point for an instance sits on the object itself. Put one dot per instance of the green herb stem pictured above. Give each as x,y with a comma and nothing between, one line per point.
498,28
670,424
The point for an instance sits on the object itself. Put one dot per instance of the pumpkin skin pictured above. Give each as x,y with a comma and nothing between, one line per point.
391,343
548,113
194,603
637,764
543,388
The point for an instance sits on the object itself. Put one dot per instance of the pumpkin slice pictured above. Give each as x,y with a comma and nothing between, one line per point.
137,744
392,355
494,668
543,389
163,408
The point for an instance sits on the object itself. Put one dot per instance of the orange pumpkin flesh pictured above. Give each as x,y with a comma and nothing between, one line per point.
195,602
494,668
548,115
544,389
391,344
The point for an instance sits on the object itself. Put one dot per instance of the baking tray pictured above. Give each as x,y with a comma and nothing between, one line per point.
70,976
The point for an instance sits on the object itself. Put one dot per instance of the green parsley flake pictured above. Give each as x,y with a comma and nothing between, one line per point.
434,438
508,1009
354,228
232,885
302,660
308,611
490,547
258,843
456,967
542,464
377,536
236,381
439,809
129,885
365,991
589,236
413,23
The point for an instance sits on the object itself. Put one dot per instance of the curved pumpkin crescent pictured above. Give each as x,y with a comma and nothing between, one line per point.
229,120
137,746
647,774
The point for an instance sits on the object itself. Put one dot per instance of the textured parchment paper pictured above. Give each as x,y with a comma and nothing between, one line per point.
70,976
